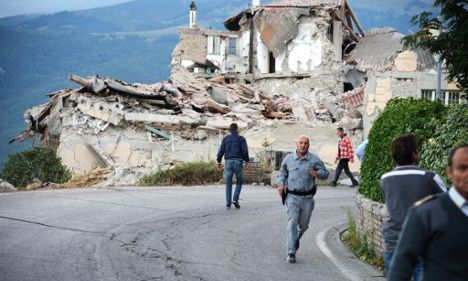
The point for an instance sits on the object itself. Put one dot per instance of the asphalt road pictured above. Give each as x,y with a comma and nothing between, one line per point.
170,233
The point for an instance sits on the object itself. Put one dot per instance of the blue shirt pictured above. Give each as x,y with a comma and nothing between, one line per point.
294,172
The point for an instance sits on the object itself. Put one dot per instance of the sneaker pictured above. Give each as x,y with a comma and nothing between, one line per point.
354,185
228,206
236,204
291,258
297,244
332,184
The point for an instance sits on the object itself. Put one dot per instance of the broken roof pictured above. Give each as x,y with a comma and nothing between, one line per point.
234,22
305,3
380,47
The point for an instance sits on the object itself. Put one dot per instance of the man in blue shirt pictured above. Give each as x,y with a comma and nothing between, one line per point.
297,179
235,152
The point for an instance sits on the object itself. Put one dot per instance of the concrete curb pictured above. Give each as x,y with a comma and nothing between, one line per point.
329,242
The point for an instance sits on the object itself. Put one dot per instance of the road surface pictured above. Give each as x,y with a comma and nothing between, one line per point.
170,233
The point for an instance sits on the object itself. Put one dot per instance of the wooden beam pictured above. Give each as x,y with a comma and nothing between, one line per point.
355,37
350,21
356,22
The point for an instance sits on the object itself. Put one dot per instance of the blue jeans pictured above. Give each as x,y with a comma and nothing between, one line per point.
232,167
417,270
299,213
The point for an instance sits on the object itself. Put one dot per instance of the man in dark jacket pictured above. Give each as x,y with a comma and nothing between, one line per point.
436,228
401,188
235,152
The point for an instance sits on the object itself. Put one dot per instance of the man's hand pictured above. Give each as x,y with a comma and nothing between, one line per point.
219,167
281,189
313,173
336,161
246,167
351,160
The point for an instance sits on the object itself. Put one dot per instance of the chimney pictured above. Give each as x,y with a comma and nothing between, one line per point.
193,15
255,3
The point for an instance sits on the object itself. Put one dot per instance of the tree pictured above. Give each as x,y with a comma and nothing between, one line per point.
451,44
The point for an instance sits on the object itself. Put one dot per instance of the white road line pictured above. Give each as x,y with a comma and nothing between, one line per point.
320,239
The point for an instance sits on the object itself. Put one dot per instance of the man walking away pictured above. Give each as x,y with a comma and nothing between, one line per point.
401,188
297,179
436,228
344,155
235,151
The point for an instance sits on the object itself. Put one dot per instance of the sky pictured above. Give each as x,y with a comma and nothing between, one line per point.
19,7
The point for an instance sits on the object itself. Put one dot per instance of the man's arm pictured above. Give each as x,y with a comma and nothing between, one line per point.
245,150
411,244
221,151
350,149
322,172
283,176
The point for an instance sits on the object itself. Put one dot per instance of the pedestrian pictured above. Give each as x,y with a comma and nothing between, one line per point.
344,155
436,228
297,179
401,188
361,149
236,153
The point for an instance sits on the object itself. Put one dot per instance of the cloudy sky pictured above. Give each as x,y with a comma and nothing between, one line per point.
17,7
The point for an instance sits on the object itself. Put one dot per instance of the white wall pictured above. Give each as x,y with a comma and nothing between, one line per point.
305,51
262,55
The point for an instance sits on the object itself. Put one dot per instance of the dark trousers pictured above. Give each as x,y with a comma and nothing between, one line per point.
343,165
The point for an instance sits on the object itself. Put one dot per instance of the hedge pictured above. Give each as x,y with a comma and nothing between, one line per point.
420,117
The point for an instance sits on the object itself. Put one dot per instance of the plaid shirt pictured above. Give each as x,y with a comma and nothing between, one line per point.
345,149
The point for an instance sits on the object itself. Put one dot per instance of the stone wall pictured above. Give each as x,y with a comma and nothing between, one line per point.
369,219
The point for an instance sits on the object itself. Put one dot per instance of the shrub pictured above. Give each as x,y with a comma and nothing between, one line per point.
451,132
193,173
38,162
400,116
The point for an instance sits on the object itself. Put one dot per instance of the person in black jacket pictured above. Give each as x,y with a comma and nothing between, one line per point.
235,152
436,228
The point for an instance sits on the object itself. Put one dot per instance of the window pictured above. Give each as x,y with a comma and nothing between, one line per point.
449,97
213,45
232,46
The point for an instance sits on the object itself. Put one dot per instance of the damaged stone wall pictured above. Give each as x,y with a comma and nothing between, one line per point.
383,86
305,35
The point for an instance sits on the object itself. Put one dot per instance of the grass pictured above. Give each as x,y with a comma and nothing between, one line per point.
193,173
360,246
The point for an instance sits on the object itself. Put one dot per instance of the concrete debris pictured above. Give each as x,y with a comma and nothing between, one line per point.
128,130
93,178
5,186
38,184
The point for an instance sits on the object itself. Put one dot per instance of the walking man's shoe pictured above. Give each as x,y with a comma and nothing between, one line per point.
332,184
236,204
291,258
228,206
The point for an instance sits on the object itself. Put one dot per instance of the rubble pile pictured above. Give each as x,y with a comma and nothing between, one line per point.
120,125
6,186
38,184
93,178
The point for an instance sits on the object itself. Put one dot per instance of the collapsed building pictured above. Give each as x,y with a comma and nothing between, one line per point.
281,70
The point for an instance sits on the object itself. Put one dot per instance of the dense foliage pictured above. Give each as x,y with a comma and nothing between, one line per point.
400,116
449,133
192,173
41,163
452,43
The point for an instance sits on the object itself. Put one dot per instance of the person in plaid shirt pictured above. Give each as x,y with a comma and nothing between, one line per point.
344,155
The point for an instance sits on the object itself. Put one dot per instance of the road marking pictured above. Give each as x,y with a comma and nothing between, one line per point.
320,238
